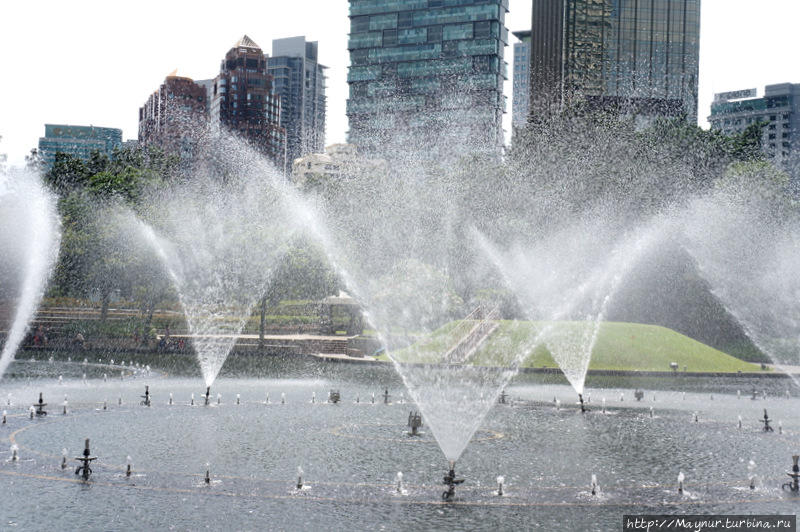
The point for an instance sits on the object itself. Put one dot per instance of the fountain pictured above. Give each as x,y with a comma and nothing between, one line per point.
84,469
146,396
40,411
414,423
451,482
30,241
766,421
794,484
399,484
745,243
334,397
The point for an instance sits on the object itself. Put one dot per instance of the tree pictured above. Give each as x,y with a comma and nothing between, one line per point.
67,174
416,297
33,161
302,273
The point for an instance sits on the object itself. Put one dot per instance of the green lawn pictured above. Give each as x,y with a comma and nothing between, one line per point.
620,346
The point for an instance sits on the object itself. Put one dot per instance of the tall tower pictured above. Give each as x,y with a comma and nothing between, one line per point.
171,113
638,57
521,79
299,80
426,72
244,103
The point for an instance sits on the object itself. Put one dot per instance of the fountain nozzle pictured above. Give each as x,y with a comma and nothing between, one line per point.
794,484
146,396
85,461
451,482
766,422
583,407
208,395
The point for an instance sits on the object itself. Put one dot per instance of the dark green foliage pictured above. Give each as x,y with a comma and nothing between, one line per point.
302,273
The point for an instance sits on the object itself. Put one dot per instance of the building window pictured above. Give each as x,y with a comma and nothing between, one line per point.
389,37
435,34
359,24
482,30
405,19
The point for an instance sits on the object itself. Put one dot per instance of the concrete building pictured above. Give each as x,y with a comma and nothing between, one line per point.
78,141
299,80
778,109
338,162
428,73
628,56
172,112
242,101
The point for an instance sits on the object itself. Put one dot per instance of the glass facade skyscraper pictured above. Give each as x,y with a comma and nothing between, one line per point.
299,80
426,70
78,141
521,97
638,56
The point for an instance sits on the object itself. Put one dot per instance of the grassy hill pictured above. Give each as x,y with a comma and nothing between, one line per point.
620,346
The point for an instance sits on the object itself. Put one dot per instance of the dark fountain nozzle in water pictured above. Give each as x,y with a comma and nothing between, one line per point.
146,396
451,482
583,407
414,422
386,396
40,411
794,484
503,399
766,421
85,460
208,395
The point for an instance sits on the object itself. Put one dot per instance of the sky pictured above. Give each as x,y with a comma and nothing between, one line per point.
95,62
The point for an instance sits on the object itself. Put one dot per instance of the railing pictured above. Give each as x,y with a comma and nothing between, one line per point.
469,343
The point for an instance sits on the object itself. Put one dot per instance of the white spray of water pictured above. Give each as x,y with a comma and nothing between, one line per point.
29,216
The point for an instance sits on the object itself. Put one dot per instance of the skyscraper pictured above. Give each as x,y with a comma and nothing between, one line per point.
521,79
637,57
299,80
78,141
243,102
426,70
171,112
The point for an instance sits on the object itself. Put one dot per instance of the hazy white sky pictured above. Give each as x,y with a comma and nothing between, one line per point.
96,61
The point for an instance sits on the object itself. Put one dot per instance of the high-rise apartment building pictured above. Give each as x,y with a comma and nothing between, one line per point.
78,141
242,101
299,80
170,113
521,79
778,109
427,72
638,57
